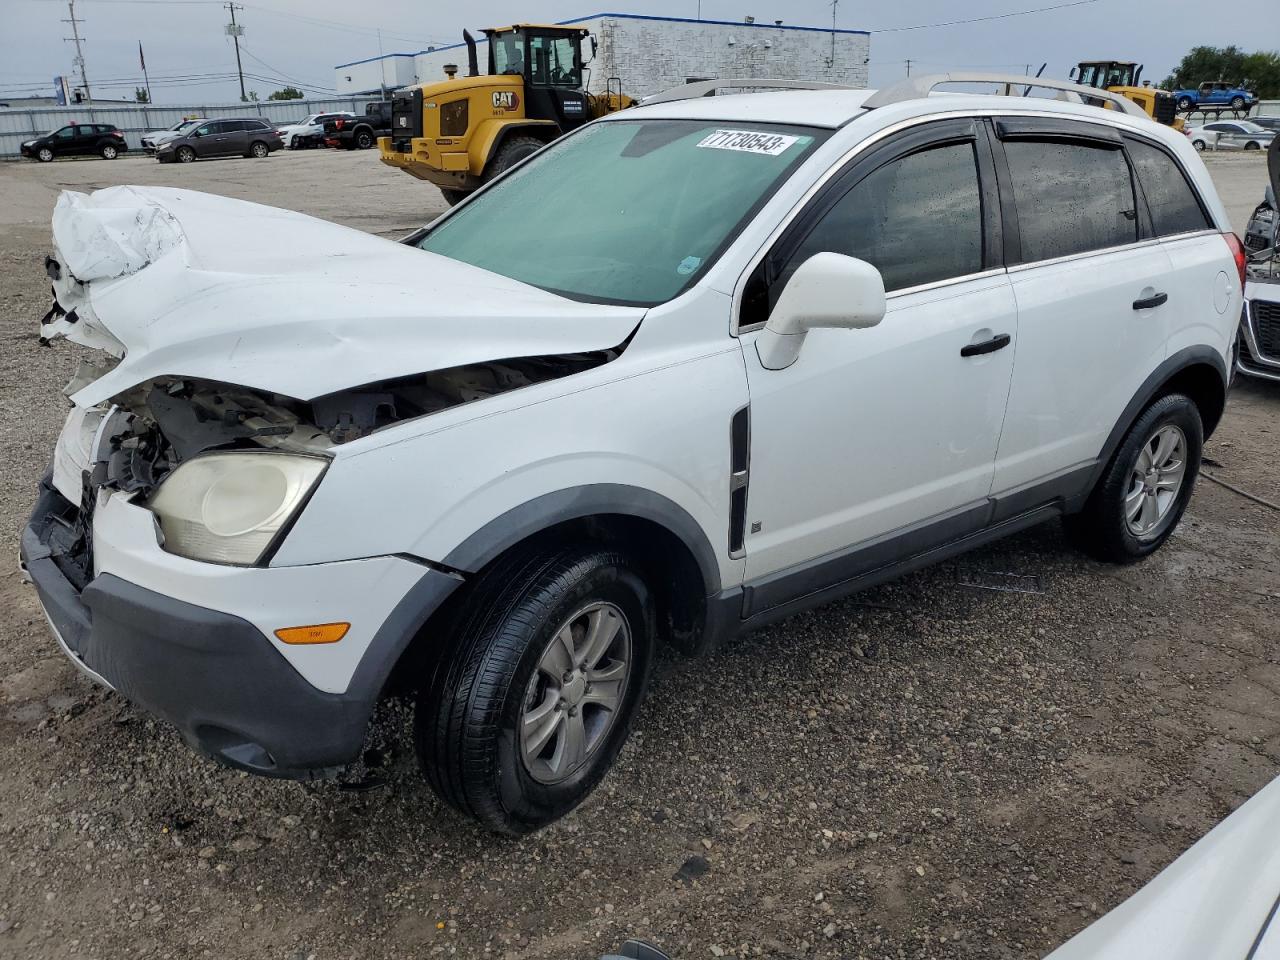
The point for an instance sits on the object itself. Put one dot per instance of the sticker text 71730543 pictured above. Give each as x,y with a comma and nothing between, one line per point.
748,141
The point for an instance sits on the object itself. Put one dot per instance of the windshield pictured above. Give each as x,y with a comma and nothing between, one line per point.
625,211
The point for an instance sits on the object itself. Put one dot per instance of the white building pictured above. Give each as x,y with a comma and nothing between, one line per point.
650,54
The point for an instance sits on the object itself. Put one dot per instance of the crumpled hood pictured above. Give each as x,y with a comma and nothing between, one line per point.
188,284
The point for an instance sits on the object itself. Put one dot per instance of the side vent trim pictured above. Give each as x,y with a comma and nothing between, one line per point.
740,473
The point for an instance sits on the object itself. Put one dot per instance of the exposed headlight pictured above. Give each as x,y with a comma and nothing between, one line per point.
228,507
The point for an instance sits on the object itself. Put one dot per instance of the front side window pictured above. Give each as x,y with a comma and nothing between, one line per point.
205,130
625,211
66,133
917,220
1170,197
553,61
508,53
1071,197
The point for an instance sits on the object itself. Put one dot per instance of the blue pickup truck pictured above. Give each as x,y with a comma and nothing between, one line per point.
1218,94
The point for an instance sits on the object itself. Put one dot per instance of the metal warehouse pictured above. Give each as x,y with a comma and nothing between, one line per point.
650,54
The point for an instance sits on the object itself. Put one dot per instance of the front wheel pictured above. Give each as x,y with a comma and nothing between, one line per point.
1185,103
511,153
44,155
1237,103
527,711
185,154
1199,145
1253,145
1146,487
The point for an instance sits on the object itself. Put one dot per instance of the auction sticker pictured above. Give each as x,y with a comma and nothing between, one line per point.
747,141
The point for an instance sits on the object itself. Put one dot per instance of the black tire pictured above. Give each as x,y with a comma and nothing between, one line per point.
1253,145
1185,103
184,155
364,139
44,155
454,197
1237,103
1101,529
1199,145
109,151
510,153
467,716
258,149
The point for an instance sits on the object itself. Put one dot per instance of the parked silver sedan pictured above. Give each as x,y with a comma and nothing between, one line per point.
1231,135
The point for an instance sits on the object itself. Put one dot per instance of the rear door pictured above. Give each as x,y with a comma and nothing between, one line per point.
1091,285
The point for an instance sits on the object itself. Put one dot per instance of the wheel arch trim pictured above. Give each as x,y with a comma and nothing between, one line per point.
577,503
1187,358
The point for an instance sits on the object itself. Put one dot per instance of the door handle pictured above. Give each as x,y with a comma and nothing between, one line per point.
998,342
1149,302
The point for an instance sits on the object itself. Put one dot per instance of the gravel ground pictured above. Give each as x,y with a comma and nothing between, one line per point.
925,770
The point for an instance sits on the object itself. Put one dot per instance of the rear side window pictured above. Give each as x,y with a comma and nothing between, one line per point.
1071,197
917,219
1170,198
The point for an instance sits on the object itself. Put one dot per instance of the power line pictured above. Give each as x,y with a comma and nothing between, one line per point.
995,16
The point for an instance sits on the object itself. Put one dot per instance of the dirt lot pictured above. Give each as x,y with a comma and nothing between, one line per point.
926,770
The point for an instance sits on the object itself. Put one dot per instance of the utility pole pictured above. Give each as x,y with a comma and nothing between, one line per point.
235,32
908,68
75,38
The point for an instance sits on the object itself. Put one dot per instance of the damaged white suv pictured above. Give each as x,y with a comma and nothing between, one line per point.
688,370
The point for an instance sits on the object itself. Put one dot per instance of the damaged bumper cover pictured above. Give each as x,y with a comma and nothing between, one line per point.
214,675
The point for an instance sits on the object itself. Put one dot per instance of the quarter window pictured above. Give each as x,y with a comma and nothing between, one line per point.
917,219
1170,198
1071,197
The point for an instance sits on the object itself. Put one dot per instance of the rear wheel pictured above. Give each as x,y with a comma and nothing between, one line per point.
185,154
44,154
525,714
454,197
109,151
1146,487
511,153
364,139
258,149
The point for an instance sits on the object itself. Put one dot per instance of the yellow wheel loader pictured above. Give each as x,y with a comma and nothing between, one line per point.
461,132
1122,77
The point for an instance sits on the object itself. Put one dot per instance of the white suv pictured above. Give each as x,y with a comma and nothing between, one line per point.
688,370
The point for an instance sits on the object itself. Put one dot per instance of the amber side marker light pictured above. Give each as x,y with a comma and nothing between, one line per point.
318,633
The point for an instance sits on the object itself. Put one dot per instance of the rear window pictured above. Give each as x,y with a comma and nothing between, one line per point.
1170,198
1072,197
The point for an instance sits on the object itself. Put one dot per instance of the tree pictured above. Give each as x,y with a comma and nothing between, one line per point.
288,93
252,97
140,94
1260,70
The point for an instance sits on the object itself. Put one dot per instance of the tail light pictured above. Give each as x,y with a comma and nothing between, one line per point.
117,133
1238,252
338,124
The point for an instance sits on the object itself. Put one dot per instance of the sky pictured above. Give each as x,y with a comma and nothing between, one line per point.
191,60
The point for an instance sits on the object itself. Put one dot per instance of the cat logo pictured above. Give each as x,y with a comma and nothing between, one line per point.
505,100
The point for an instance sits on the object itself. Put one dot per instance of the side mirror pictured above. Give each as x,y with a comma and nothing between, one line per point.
827,290
1071,75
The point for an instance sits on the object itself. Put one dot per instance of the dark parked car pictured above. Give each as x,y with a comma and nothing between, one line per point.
223,137
77,140
360,133
1268,123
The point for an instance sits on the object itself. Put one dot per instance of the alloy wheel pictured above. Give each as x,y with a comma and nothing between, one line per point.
1155,481
576,692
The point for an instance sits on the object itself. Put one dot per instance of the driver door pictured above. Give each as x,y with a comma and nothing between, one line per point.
878,443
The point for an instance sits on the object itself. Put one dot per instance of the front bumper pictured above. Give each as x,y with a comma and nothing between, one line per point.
1255,357
216,676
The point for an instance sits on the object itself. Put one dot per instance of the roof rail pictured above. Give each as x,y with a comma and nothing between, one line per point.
914,88
708,88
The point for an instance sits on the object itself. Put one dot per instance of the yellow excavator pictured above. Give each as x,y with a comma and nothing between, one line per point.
461,132
1123,77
